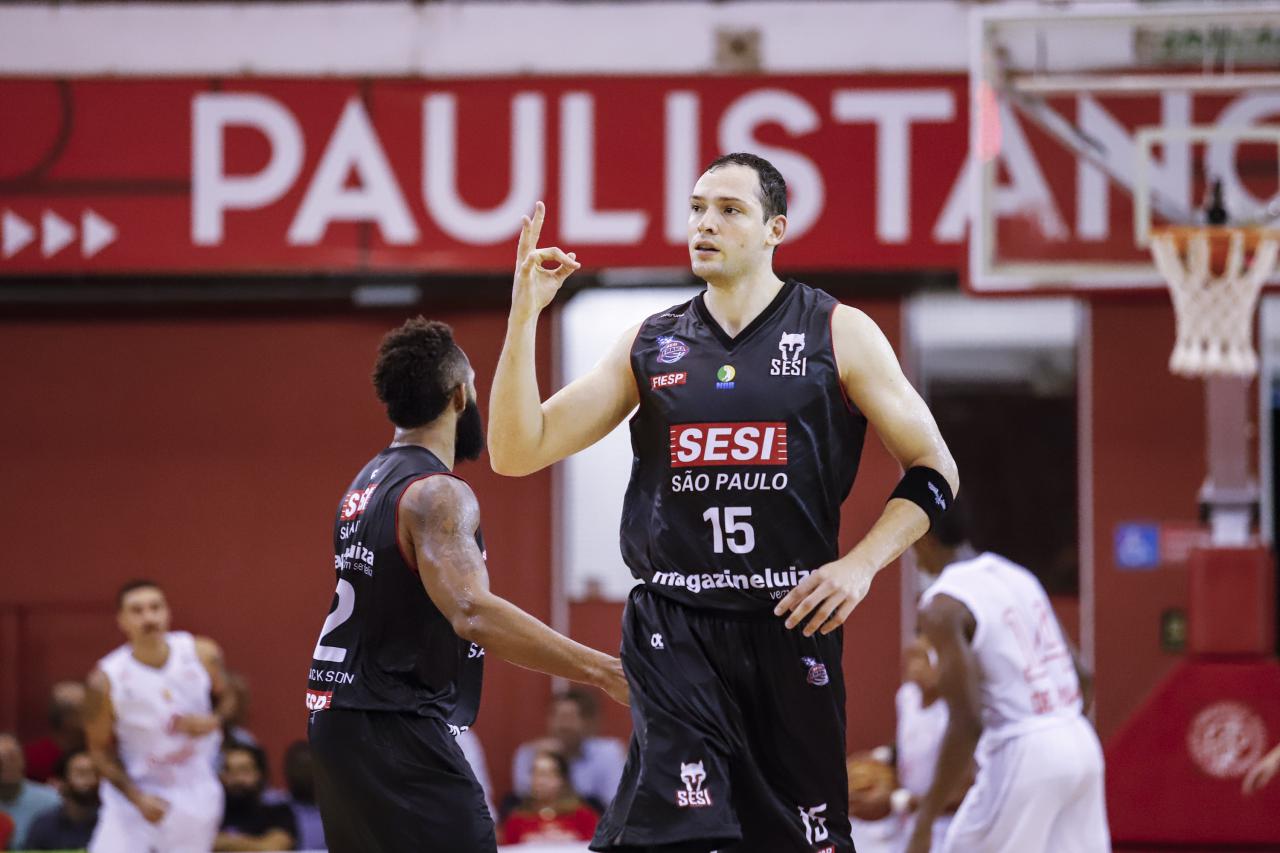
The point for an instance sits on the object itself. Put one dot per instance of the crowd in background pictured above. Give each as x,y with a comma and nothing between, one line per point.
561,781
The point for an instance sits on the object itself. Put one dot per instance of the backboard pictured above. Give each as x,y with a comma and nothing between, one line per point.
1095,122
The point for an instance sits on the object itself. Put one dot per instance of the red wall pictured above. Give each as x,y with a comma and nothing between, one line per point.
1148,464
209,454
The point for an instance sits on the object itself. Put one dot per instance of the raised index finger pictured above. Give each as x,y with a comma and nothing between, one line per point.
532,231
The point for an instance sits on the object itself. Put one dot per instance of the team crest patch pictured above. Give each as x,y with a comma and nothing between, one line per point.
817,675
694,796
671,350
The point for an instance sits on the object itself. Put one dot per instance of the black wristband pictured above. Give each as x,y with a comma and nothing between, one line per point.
927,489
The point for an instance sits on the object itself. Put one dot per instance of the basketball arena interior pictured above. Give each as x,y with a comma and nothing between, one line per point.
1063,216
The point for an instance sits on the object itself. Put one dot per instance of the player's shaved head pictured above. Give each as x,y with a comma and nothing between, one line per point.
131,586
419,365
773,188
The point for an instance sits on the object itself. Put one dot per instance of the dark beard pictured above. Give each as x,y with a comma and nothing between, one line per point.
468,441
86,799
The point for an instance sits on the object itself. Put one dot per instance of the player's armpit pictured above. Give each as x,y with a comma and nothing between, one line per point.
875,383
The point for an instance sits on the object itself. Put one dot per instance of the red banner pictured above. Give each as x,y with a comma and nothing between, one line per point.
425,176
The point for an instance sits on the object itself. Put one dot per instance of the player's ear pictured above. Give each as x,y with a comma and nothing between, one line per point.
775,230
458,399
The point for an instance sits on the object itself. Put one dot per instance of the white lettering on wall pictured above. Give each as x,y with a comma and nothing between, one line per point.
682,163
580,221
440,171
213,191
354,147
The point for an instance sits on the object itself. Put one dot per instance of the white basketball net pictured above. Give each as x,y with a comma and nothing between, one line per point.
1214,312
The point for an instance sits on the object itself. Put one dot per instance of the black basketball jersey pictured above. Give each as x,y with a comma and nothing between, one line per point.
385,646
744,449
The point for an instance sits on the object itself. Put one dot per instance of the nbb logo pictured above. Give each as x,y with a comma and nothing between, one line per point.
355,502
759,443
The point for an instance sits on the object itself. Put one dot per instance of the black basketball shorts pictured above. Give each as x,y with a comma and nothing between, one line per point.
738,741
396,783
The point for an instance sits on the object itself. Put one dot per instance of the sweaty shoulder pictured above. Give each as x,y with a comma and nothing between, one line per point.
444,501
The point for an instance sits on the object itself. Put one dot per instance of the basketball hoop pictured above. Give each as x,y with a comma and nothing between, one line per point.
1214,273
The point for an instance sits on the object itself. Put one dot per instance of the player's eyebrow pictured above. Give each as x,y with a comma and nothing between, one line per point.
720,198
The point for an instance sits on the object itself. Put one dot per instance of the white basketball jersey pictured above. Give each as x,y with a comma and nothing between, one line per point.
146,700
1028,678
920,732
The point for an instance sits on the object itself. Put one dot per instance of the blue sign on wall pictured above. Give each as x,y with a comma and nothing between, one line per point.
1137,546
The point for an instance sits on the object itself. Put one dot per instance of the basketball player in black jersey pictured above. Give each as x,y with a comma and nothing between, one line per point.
753,400
396,673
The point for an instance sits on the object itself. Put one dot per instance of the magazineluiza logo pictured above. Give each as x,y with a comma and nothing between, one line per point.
356,558
776,582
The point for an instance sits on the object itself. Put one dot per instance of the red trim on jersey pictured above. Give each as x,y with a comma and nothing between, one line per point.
413,563
831,324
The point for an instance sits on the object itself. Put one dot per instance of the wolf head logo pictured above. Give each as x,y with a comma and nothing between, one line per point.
693,775
791,345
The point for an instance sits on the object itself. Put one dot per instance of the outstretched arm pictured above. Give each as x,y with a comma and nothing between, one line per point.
948,625
438,521
874,381
525,433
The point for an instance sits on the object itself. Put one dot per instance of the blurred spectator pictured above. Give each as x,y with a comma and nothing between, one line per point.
233,729
552,811
473,751
66,702
249,823
20,798
595,763
70,825
301,785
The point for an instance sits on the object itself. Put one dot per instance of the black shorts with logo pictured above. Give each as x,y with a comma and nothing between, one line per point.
738,741
395,783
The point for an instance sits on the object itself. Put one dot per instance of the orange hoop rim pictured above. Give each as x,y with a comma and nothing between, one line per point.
1217,234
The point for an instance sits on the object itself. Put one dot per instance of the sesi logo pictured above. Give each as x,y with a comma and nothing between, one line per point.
355,502
755,443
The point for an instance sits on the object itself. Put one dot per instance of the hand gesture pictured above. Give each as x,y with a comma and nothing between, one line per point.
536,285
153,808
830,594
1262,772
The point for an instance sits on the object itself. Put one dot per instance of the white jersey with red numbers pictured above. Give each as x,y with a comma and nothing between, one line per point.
1028,678
175,767
1040,785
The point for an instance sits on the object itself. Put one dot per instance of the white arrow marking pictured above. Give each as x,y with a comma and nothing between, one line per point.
96,233
58,234
17,233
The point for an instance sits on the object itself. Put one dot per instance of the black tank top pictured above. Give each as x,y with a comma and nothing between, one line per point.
744,449
385,646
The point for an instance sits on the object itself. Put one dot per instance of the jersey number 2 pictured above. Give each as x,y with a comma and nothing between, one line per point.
346,606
